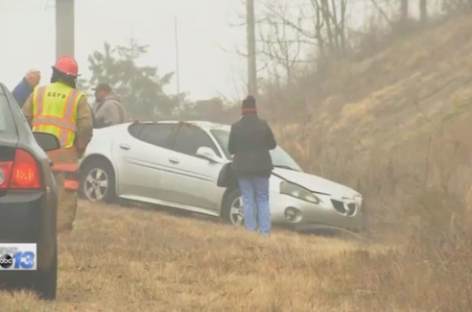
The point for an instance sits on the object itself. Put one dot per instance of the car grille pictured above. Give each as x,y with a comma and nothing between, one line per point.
344,209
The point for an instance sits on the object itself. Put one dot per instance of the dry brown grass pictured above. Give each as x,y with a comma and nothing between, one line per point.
122,259
421,82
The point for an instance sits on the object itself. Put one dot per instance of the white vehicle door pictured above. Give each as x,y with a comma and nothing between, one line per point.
142,159
194,180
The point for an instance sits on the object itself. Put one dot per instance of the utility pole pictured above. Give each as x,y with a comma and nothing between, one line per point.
177,70
65,20
404,8
423,11
251,48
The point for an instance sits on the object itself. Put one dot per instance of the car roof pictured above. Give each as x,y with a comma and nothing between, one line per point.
20,136
2,87
205,125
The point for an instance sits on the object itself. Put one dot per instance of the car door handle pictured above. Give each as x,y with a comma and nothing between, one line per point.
174,160
51,162
124,146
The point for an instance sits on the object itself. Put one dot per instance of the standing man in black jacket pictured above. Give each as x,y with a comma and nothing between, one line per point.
250,141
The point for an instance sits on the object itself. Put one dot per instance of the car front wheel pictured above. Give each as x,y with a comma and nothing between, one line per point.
97,182
233,208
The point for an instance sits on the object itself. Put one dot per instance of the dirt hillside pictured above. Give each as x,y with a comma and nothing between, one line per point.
420,84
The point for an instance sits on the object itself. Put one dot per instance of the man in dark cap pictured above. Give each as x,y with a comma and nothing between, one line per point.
250,141
108,110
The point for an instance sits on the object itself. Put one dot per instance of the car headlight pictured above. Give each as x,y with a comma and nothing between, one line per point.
296,191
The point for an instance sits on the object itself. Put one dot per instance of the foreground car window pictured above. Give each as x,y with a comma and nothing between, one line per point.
7,126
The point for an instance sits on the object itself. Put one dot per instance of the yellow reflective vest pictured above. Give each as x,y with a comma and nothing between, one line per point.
55,111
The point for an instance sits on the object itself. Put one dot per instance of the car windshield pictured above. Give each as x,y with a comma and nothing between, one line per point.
280,158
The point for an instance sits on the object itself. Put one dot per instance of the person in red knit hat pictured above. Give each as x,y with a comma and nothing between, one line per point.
250,141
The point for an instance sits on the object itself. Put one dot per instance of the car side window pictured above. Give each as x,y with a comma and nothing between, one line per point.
157,134
190,138
135,130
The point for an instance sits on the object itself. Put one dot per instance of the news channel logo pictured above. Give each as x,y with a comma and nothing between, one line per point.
16,257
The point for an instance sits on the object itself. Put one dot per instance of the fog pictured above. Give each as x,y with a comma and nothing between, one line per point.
206,70
209,64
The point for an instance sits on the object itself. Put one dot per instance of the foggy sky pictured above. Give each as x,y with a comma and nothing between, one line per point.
28,38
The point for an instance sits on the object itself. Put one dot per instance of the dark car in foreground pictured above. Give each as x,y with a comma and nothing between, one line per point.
28,198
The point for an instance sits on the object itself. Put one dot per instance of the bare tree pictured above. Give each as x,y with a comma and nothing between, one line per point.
382,11
333,15
453,6
281,41
323,25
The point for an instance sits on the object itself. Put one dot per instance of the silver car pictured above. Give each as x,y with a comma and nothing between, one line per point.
176,164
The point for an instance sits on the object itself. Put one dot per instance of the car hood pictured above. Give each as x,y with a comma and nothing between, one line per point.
316,184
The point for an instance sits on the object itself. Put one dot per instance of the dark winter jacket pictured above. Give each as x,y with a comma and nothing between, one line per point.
22,91
250,141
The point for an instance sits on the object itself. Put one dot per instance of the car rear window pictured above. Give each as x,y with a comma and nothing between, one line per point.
7,125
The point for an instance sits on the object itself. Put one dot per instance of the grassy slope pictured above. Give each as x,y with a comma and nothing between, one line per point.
120,259
374,104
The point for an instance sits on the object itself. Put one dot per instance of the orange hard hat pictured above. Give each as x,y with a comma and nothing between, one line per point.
67,65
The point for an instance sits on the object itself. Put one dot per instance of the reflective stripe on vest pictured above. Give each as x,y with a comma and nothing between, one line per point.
54,121
55,111
71,181
71,185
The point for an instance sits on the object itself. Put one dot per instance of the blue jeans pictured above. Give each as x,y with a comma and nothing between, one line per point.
255,195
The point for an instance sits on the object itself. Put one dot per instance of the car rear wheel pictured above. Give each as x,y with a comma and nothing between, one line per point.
45,281
233,208
98,182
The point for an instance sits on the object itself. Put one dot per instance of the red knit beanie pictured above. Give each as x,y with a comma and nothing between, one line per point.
249,105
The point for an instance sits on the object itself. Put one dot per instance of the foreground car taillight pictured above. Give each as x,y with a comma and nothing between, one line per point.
22,173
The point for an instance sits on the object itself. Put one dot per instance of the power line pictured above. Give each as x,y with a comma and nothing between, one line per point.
177,71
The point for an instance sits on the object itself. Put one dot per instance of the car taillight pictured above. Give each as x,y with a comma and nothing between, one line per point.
22,173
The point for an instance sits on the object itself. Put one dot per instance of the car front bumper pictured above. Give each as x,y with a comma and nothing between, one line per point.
314,216
30,217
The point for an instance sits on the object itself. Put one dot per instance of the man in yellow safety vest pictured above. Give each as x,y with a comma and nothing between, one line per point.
60,109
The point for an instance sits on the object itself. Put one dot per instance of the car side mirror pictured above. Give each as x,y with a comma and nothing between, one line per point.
206,153
47,141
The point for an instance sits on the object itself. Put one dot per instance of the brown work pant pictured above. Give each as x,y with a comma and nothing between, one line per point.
66,204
